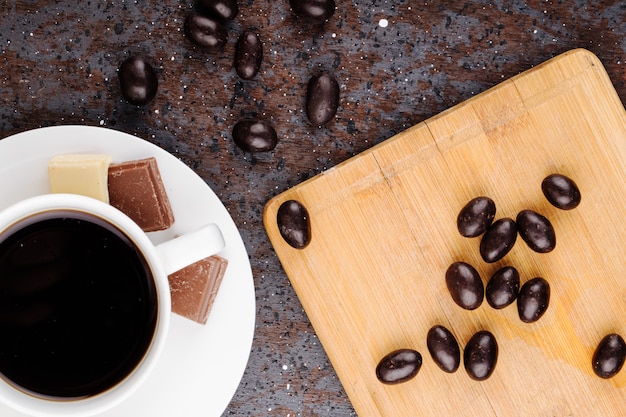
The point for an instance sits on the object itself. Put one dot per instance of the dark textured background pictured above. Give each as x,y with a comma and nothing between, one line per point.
58,63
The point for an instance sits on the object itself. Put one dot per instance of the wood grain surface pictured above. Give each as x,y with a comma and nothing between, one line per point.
384,232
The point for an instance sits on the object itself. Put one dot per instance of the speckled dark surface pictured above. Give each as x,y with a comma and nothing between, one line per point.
58,63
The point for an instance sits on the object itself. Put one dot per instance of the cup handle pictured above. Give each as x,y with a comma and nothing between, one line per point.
191,247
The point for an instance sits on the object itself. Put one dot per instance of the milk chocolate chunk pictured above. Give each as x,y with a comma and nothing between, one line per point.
194,288
136,188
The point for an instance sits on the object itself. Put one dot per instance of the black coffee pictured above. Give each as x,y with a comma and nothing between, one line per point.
77,305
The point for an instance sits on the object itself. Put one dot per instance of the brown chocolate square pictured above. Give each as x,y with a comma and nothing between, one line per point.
136,188
194,288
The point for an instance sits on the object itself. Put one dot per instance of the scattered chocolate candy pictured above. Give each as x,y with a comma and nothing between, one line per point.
205,32
561,191
498,240
536,230
248,55
399,366
481,355
294,224
138,81
322,99
314,10
443,348
476,216
221,9
503,287
533,300
255,135
465,285
609,356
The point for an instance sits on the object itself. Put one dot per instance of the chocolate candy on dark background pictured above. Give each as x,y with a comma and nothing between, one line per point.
399,366
221,9
465,285
314,10
248,55
205,32
536,230
294,224
255,135
609,356
498,240
533,299
443,348
561,191
476,216
322,99
138,81
481,355
503,287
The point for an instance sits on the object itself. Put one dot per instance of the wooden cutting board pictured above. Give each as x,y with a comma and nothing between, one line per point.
384,232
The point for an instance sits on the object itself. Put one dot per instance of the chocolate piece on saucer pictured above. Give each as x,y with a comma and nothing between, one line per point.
136,188
194,288
84,174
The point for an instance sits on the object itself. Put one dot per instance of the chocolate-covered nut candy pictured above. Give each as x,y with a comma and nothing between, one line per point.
481,355
314,10
503,287
443,348
255,135
294,224
536,230
533,300
476,216
221,9
561,191
322,99
205,32
498,240
248,55
138,81
465,286
399,366
609,356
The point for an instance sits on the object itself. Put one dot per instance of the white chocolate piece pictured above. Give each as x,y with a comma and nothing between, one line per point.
85,174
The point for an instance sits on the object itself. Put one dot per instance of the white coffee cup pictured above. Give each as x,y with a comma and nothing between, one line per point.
162,260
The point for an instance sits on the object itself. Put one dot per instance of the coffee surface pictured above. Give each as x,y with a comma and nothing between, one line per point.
77,306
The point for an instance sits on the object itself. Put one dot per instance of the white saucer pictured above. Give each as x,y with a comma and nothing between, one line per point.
202,365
